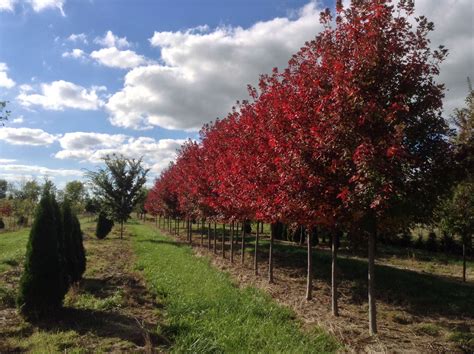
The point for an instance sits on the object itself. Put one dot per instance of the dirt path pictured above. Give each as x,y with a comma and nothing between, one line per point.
401,328
111,310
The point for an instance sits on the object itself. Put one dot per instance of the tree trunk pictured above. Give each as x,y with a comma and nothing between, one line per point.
215,238
270,257
301,235
209,236
242,260
237,235
121,229
232,227
335,309
464,260
223,240
255,257
309,274
202,233
261,228
371,280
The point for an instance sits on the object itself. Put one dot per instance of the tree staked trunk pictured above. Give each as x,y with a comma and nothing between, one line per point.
232,229
371,280
335,309
464,260
270,257
202,233
309,275
223,240
255,257
242,260
209,236
215,238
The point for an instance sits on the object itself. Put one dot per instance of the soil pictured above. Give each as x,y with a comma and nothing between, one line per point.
399,329
129,325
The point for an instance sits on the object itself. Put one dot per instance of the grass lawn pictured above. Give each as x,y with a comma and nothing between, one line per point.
204,310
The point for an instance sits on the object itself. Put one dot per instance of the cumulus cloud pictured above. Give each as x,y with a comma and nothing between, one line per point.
61,94
7,5
26,136
454,29
75,53
34,170
40,5
111,40
5,81
92,147
203,72
115,58
78,38
2,161
18,120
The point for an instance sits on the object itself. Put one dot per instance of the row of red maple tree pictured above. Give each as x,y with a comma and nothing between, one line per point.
349,137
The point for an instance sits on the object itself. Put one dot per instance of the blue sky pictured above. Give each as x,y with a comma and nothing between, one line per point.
86,78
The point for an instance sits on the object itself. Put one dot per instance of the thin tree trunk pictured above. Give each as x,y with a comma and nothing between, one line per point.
371,281
209,236
309,275
242,260
121,229
215,238
202,233
223,240
464,261
335,309
270,257
232,226
261,228
255,258
237,234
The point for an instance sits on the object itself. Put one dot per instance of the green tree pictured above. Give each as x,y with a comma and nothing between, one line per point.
75,192
118,186
3,188
104,225
79,251
42,286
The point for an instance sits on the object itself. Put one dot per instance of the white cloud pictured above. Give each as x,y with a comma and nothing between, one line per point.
75,53
79,37
111,40
7,5
115,58
18,120
204,72
26,136
453,21
92,147
34,170
5,81
26,88
40,5
59,95
2,161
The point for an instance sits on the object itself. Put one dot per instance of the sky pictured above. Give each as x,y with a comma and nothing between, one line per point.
86,78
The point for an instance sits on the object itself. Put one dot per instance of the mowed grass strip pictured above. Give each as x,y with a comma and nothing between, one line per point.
12,248
205,312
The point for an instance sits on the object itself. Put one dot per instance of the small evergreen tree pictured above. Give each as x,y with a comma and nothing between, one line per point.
80,253
70,249
104,225
42,282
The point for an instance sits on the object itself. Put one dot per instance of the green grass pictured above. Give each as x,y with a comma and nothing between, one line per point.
206,312
12,248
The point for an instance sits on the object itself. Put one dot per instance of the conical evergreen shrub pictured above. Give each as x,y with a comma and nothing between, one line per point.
80,253
104,225
41,289
70,250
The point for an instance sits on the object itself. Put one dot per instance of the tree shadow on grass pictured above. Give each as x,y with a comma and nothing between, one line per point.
163,242
105,325
417,293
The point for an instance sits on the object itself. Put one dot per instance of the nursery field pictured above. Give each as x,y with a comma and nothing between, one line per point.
148,293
